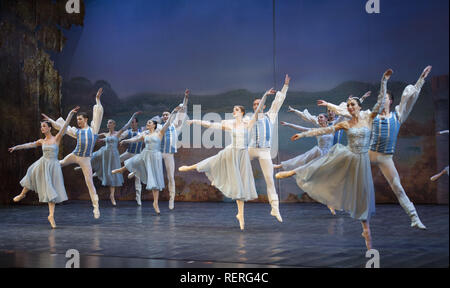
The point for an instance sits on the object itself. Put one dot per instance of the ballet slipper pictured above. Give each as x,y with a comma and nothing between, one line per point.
138,200
77,168
183,168
368,239
435,177
416,223
115,171
19,197
155,206
52,221
277,166
113,201
284,174
241,221
96,208
275,210
332,210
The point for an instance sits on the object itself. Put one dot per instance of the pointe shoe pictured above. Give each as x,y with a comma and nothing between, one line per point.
96,213
241,221
435,177
115,171
416,223
19,197
113,201
52,222
332,210
171,202
155,206
183,168
368,239
131,175
284,174
77,168
277,166
276,214
94,174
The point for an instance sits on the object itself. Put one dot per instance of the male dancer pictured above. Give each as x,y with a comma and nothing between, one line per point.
133,149
86,137
261,141
385,128
169,145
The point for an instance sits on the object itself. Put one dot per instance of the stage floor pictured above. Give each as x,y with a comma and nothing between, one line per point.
208,235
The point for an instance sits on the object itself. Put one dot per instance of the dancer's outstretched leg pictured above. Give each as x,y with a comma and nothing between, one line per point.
120,170
284,174
21,195
51,210
187,168
240,215
155,201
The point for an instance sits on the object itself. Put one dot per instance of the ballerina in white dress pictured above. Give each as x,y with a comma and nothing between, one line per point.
343,177
45,175
147,165
230,170
107,158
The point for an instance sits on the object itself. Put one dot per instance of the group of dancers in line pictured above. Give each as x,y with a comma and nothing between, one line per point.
333,174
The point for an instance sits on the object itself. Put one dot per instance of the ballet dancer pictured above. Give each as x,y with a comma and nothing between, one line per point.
339,136
385,130
343,178
230,170
132,150
45,175
261,142
324,143
107,158
169,145
445,170
147,165
86,137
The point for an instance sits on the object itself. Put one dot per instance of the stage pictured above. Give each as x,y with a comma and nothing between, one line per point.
198,235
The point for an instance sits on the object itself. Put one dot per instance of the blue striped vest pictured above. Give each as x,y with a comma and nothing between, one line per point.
85,142
384,134
134,148
169,140
261,134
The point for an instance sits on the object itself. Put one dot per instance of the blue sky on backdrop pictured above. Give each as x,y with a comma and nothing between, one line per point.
218,45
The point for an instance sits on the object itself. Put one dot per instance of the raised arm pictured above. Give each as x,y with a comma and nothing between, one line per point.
339,110
97,113
260,107
63,130
137,138
296,127
410,95
25,146
181,115
124,128
305,115
378,107
59,123
279,99
214,125
170,120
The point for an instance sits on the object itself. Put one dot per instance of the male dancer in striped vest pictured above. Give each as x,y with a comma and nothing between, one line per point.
133,149
261,141
86,137
169,145
385,129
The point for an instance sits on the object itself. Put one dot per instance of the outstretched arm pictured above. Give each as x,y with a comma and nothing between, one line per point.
279,99
58,124
296,127
97,113
137,138
410,95
66,124
378,107
25,146
124,128
321,131
207,124
340,110
260,107
305,115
